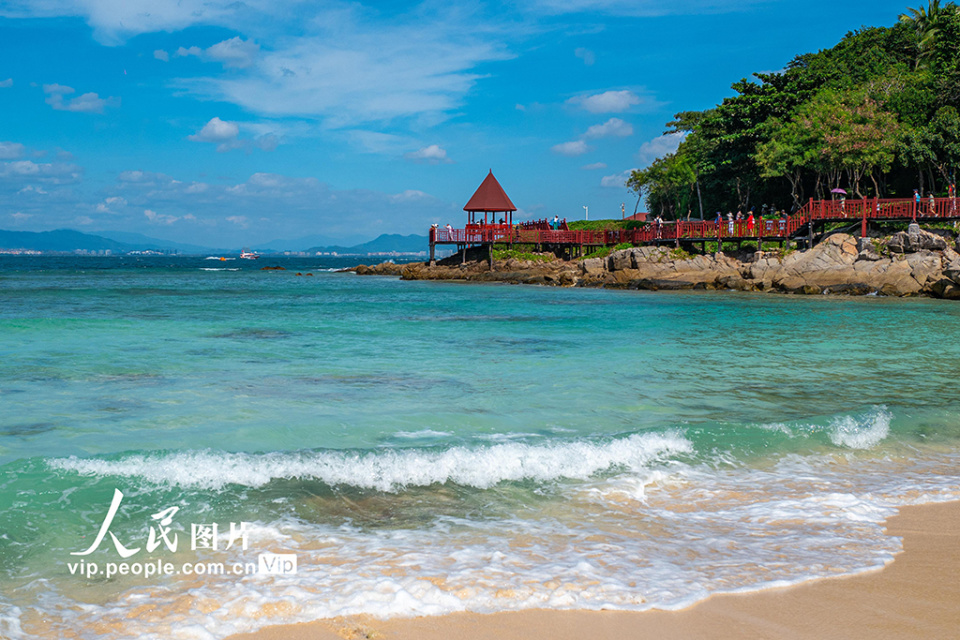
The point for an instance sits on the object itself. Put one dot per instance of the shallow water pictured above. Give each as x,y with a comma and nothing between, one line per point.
429,447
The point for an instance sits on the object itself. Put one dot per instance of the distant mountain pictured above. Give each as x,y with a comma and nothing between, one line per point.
301,244
140,242
59,240
386,243
68,240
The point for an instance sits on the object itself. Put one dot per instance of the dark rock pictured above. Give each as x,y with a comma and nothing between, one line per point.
851,289
903,242
658,284
946,289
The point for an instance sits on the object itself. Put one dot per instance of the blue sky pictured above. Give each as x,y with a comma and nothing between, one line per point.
230,123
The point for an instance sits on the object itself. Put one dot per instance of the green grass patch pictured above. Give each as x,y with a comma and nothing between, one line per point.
518,254
597,225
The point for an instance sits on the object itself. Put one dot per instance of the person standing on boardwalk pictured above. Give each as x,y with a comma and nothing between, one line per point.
750,224
933,205
916,202
952,194
730,222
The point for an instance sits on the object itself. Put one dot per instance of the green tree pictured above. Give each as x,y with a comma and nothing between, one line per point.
927,22
669,182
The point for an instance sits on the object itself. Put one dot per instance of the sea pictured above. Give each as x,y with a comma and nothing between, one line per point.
191,448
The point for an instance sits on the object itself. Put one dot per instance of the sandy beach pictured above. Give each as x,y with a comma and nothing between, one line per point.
917,596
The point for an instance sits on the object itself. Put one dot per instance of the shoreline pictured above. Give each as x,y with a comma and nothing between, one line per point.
901,265
915,597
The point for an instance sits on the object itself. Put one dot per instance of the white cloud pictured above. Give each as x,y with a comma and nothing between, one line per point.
217,130
158,218
160,54
84,221
6,84
220,132
240,221
85,103
139,177
344,63
11,150
588,57
410,195
50,173
617,179
607,102
594,166
642,8
612,128
235,52
349,69
111,204
21,217
659,147
431,154
225,135
183,52
376,142
573,148
30,188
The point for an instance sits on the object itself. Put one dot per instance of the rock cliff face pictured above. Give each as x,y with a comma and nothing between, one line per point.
905,264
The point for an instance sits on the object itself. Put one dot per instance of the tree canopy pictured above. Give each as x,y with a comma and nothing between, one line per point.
875,115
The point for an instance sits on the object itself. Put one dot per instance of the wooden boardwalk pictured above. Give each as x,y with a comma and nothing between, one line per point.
800,227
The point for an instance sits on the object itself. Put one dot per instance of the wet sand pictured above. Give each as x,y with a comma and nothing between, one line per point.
915,597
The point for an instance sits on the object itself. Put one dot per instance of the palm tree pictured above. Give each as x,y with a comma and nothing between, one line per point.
926,22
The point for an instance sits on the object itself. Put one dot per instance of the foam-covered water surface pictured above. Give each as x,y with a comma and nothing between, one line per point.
424,448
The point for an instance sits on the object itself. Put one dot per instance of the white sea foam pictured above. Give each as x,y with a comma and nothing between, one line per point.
861,432
423,433
711,530
391,469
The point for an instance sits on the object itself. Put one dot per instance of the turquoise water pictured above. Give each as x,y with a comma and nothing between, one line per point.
429,447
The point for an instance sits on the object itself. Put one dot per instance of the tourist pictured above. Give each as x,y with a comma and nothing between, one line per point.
556,223
916,202
952,194
933,204
750,224
730,223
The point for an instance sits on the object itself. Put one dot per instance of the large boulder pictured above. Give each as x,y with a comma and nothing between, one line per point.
905,242
593,267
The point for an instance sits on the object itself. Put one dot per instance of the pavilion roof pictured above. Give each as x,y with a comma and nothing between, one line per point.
490,196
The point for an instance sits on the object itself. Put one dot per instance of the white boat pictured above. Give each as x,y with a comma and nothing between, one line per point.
246,254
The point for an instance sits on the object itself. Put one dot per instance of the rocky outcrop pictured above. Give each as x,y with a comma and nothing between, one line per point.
382,269
905,264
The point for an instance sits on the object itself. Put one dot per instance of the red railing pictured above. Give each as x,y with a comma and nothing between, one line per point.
772,228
